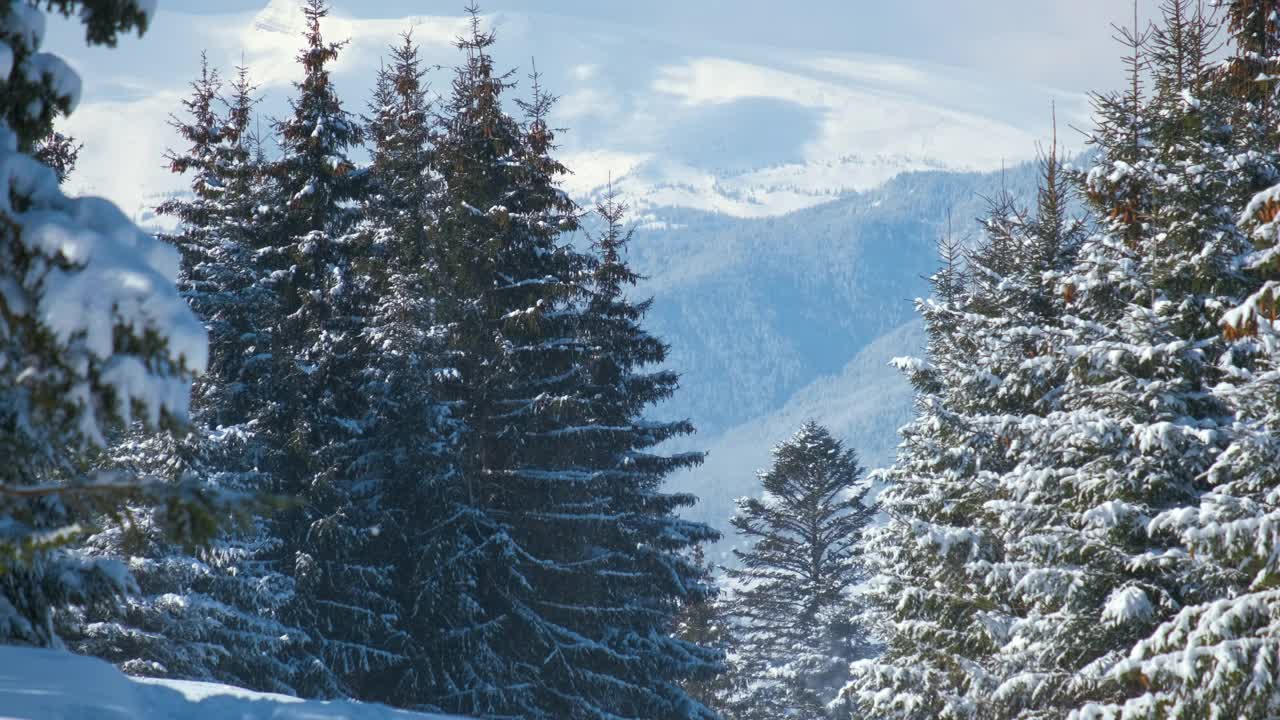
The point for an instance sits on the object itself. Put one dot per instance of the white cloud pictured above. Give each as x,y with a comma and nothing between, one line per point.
122,159
640,104
588,102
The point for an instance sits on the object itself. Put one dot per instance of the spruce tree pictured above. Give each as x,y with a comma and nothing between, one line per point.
645,576
947,570
408,447
1130,428
318,415
1248,75
92,335
1215,658
1130,507
1021,301
558,570
795,622
1024,363
243,594
927,614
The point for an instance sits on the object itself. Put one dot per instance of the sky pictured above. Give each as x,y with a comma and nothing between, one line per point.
1061,43
737,106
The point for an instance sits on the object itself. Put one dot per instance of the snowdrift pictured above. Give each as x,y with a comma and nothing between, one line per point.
57,685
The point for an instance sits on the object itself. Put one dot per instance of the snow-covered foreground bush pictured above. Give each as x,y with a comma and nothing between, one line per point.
39,684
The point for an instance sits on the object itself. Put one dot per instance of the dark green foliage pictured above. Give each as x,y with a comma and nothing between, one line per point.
452,396
309,251
564,549
408,447
212,614
1082,444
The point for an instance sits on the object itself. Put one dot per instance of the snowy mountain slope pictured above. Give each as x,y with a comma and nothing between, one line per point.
37,684
775,321
677,119
756,309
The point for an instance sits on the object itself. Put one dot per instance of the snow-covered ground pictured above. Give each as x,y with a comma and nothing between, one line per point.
56,685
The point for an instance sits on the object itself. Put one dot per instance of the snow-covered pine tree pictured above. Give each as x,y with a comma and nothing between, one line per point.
1217,658
1019,298
1131,427
795,622
405,183
558,568
210,615
927,614
93,334
122,632
634,535
407,448
318,411
949,608
497,260
243,594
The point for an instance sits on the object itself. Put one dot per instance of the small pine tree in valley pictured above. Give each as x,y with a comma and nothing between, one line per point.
796,623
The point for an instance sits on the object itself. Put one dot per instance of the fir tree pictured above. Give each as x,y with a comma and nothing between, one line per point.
408,448
1248,76
647,576
1023,365
949,281
92,334
1214,658
948,579
405,182
1129,428
926,610
1125,571
796,623
317,416
558,571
